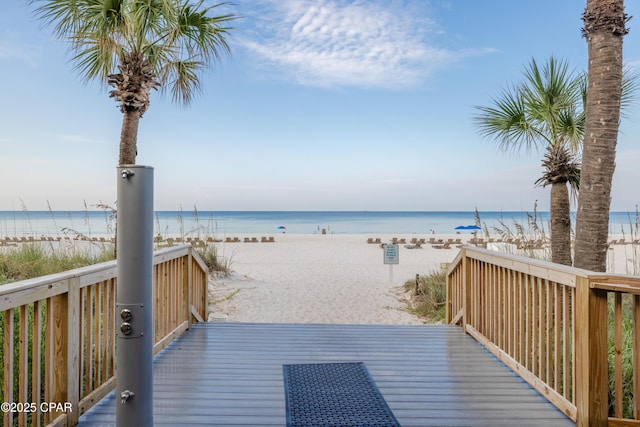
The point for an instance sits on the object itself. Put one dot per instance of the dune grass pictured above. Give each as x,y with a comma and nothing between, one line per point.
428,296
78,249
29,260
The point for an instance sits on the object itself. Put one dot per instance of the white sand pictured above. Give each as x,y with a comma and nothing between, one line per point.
320,279
333,279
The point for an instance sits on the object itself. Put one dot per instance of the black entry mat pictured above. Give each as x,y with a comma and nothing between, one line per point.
334,395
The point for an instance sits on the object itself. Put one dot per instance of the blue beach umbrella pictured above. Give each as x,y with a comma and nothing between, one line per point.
467,227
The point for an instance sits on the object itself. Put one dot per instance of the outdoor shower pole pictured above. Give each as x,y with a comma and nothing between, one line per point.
134,296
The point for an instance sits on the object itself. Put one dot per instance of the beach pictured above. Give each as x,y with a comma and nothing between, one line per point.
336,279
319,278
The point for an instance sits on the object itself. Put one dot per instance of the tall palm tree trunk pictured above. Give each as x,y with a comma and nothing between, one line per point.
129,137
604,30
560,213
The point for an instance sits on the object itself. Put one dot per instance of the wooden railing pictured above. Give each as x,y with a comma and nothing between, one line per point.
57,335
557,327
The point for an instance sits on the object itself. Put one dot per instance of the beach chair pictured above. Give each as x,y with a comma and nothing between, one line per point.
272,239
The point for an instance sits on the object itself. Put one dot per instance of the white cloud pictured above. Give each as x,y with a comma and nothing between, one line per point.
365,43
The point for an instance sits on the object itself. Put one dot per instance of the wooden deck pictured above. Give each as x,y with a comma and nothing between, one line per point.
230,374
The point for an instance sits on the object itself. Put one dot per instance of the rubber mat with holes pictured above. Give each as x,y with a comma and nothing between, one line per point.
332,395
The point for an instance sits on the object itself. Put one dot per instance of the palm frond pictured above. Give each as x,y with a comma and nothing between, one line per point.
630,86
97,58
178,38
66,16
551,94
507,122
182,80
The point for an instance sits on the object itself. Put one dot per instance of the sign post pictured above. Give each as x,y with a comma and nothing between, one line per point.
391,257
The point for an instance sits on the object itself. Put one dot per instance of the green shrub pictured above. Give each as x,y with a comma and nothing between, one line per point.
429,296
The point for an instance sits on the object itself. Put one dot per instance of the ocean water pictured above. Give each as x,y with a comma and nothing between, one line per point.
59,223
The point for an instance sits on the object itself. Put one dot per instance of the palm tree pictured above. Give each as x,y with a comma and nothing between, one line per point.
136,46
545,111
604,29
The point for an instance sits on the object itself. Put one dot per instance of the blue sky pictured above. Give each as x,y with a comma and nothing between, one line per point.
323,105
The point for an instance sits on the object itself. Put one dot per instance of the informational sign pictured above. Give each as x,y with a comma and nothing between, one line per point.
391,254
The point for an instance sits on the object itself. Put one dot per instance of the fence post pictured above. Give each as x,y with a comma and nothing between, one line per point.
591,351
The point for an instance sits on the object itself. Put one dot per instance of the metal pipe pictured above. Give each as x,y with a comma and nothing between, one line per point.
134,297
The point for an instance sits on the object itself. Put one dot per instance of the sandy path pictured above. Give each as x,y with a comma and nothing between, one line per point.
319,279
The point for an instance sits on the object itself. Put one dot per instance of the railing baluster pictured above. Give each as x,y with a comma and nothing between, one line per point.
36,365
521,320
573,344
530,304
617,322
636,357
557,338
8,364
23,370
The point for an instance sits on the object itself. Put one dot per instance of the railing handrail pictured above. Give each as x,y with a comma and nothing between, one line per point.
548,322
51,279
560,273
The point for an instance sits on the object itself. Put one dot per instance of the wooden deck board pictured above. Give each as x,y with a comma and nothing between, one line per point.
230,374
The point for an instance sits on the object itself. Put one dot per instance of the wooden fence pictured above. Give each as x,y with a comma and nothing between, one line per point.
57,340
570,333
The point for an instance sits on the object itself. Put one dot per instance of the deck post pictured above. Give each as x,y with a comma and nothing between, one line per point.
134,298
592,388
